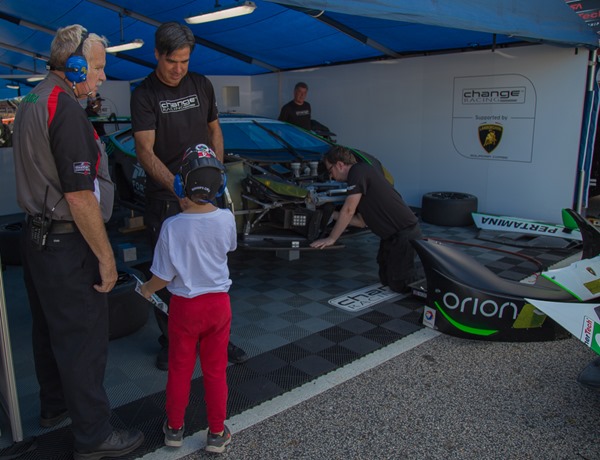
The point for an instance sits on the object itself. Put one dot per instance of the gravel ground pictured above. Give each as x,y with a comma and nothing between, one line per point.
447,398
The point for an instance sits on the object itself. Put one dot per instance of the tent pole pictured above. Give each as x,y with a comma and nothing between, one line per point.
588,133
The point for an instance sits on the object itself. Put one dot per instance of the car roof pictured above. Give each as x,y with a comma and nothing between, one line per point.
240,117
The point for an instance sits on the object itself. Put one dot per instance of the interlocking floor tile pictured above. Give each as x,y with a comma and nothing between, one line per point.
314,365
266,363
314,343
281,318
356,325
360,345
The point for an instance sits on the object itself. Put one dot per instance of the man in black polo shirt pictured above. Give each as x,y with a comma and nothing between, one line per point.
372,201
297,111
171,110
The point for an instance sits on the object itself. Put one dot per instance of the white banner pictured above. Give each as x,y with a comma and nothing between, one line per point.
493,117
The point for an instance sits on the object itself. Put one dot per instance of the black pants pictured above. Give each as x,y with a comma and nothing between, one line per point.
156,212
70,332
396,259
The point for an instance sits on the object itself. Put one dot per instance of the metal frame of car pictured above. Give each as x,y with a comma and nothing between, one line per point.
275,202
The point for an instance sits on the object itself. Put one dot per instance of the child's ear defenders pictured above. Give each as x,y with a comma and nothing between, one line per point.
179,186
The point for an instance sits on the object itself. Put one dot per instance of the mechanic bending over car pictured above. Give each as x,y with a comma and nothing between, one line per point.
297,111
64,188
374,202
171,110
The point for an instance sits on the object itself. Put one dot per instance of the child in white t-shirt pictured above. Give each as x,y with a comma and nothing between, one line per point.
190,259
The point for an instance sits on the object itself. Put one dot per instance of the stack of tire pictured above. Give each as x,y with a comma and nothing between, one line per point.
450,209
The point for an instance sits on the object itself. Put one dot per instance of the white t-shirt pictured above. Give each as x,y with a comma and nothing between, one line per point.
191,252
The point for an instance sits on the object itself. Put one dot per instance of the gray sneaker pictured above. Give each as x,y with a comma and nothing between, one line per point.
216,443
173,437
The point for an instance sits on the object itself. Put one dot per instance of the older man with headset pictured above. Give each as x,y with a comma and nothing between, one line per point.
64,188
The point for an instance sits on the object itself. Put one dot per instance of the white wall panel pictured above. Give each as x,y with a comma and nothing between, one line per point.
402,112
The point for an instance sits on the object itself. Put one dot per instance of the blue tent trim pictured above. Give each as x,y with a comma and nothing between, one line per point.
551,21
293,34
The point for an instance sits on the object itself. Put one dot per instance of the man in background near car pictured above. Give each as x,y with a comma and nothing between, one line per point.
64,188
171,110
297,111
372,201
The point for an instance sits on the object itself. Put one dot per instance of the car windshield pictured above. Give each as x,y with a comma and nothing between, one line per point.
246,135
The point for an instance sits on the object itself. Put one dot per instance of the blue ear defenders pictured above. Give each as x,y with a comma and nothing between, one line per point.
223,186
179,186
76,67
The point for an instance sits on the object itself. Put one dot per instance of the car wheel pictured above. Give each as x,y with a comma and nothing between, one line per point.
10,247
450,209
127,310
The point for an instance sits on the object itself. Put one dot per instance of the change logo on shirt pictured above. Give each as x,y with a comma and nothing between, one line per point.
179,105
82,167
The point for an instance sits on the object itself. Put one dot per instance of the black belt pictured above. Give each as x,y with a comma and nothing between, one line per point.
63,226
59,226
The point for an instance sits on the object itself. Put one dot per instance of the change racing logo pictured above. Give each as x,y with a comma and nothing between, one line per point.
363,298
514,95
179,105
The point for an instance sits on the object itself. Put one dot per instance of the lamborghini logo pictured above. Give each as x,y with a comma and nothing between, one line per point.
489,136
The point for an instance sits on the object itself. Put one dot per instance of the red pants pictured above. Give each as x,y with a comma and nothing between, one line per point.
199,325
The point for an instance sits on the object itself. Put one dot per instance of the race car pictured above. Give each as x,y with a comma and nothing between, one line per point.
463,298
277,185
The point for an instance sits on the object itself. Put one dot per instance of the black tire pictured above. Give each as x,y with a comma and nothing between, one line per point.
127,310
451,209
10,246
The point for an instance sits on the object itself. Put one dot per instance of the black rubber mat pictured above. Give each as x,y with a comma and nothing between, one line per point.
260,379
282,318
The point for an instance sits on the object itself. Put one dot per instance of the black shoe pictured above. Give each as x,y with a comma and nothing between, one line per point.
118,443
589,377
48,419
235,354
162,359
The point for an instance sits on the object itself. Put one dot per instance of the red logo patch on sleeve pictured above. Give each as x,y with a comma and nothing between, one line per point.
82,167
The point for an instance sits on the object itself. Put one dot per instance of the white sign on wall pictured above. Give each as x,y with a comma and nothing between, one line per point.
493,117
